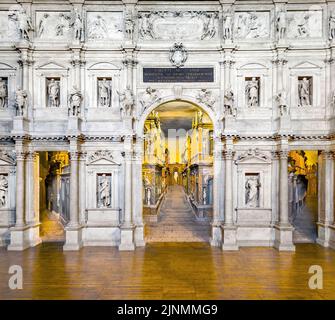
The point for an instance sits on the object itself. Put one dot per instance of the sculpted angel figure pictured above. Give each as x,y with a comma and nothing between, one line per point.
75,99
3,93
127,102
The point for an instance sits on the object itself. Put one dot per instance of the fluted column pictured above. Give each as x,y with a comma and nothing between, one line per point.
29,187
20,190
283,188
128,190
74,187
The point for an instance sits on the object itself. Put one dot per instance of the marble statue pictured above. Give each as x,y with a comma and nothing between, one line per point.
304,92
229,102
148,196
21,97
77,25
42,25
209,29
129,26
252,186
23,21
3,190
145,28
281,24
98,28
282,103
302,26
62,24
149,97
75,99
127,102
104,92
228,25
252,92
204,195
3,93
53,93
206,97
104,191
332,25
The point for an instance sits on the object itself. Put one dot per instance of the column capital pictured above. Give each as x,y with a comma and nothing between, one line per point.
274,155
283,154
328,155
31,155
228,154
74,155
20,155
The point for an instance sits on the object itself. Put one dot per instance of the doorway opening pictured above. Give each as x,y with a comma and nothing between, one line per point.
303,194
177,173
54,194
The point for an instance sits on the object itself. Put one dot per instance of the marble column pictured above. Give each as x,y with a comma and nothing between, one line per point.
326,198
218,187
229,229
283,229
127,227
73,229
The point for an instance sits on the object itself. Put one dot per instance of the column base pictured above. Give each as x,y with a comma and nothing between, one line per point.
139,236
324,232
73,238
19,238
216,237
127,238
284,237
229,238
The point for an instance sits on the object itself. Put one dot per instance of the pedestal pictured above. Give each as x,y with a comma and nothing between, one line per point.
127,239
229,238
20,124
73,238
285,123
139,236
332,236
74,125
284,238
19,238
229,123
216,237
128,123
323,234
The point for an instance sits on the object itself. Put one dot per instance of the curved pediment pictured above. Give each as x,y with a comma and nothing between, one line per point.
104,66
253,66
252,156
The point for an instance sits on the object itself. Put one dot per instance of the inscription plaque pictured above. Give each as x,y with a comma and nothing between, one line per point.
178,74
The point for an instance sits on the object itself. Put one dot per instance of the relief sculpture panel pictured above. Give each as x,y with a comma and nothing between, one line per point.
53,25
304,24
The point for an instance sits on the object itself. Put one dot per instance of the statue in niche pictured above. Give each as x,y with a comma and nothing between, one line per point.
129,26
21,98
209,26
206,97
229,102
98,28
252,186
147,188
332,25
127,102
42,25
104,191
3,190
146,28
62,23
228,25
77,24
53,93
304,92
105,92
204,195
3,93
281,24
75,99
252,92
23,21
282,103
149,97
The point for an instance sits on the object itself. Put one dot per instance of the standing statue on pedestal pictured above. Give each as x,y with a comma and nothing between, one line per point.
332,26
304,92
228,25
127,102
53,93
282,103
23,21
75,99
252,93
281,24
3,93
252,186
229,102
104,93
77,25
3,191
104,192
129,26
21,97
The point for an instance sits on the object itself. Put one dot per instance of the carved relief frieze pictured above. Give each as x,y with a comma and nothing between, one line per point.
252,25
304,24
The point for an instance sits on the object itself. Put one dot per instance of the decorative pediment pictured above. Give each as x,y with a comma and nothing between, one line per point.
306,65
102,157
7,158
103,66
51,66
252,156
5,66
253,66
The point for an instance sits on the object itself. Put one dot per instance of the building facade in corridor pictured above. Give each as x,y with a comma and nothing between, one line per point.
90,89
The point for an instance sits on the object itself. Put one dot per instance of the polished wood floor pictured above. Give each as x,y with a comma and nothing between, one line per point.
168,271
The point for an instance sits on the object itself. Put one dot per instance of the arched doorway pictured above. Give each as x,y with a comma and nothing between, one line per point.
177,172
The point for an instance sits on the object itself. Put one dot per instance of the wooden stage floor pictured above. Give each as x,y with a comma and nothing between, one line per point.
168,271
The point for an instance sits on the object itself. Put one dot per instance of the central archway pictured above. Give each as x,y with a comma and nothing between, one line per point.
177,171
